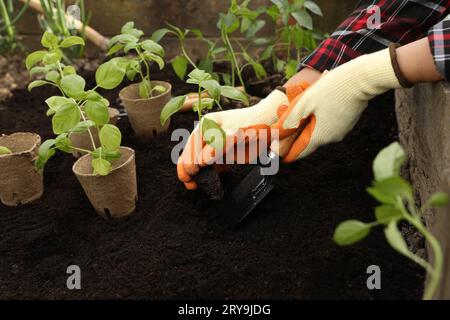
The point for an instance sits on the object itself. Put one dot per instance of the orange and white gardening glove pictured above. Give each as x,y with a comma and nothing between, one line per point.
235,123
333,105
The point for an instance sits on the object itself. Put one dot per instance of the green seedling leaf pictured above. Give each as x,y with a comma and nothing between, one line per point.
101,166
133,68
45,152
197,76
4,150
115,48
159,34
56,102
351,232
388,162
159,89
66,118
49,40
395,239
304,19
213,134
228,22
110,156
129,28
63,143
207,103
97,111
439,200
73,86
110,137
83,126
34,58
144,89
172,107
388,191
291,68
69,70
110,74
259,70
313,7
122,39
53,76
37,70
72,41
153,57
52,57
37,83
254,28
180,65
153,47
131,46
234,94
386,214
213,88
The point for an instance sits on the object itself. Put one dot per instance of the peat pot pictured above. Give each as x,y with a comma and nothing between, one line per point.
83,140
114,195
20,181
144,114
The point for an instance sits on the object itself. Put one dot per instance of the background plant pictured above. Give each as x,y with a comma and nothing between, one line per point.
54,20
146,51
77,109
4,150
206,84
9,39
295,35
396,205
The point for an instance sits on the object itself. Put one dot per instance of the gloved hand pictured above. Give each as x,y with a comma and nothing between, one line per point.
333,105
234,122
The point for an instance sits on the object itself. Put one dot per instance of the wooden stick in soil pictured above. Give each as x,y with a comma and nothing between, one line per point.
92,35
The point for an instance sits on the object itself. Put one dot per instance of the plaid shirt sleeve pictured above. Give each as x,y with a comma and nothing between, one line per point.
400,21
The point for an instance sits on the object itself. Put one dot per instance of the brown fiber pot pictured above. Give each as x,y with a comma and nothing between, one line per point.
144,114
114,195
83,140
20,181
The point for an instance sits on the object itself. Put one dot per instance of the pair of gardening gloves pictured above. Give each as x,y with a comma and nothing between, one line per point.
305,117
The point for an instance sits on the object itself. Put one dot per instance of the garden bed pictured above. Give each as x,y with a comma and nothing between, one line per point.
173,246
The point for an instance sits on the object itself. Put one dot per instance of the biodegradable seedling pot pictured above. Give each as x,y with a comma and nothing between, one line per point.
114,195
20,181
144,114
83,140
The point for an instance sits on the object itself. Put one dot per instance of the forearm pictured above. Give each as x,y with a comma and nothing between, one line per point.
305,75
416,62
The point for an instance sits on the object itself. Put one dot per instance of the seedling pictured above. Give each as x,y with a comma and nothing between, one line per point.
206,84
397,204
77,110
146,51
4,150
9,41
296,32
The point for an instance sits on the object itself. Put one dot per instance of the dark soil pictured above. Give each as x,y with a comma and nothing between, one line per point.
171,247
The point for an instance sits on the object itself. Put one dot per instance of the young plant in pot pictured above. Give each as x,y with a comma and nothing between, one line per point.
144,100
20,181
107,172
208,179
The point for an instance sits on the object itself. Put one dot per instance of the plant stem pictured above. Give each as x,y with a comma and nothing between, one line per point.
147,77
79,149
199,107
183,50
5,15
235,62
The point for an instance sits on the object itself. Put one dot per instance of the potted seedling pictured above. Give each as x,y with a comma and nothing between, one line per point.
208,179
143,100
20,181
107,172
397,204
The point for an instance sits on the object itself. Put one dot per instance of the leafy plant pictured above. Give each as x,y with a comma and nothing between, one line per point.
4,150
206,84
54,19
9,40
396,205
295,35
77,109
146,51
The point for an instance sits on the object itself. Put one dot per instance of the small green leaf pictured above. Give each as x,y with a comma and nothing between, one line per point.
159,89
110,156
303,18
438,200
62,143
213,88
180,65
153,57
4,150
73,86
37,83
159,34
395,239
313,7
122,38
97,111
53,76
110,137
34,58
72,41
69,70
153,47
45,152
115,48
388,162
83,126
66,118
197,76
388,191
49,40
172,107
110,74
213,134
385,214
351,232
101,166
144,89
56,102
234,94
290,68
52,57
